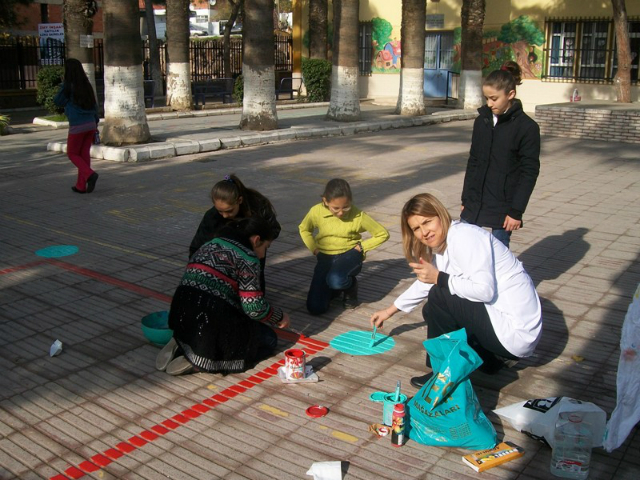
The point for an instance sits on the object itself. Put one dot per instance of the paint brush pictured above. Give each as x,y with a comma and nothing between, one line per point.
373,336
398,391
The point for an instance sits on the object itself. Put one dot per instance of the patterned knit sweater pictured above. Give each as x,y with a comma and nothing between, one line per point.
226,269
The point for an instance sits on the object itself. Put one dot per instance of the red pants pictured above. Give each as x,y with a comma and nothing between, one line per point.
78,147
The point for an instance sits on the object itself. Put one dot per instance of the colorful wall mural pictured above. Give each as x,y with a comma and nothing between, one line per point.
387,51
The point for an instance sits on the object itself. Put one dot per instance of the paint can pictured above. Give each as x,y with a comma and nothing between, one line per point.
294,363
388,405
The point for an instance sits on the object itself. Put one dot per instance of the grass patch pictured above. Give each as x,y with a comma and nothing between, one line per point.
56,118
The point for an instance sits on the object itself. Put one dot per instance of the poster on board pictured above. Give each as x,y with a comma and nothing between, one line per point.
51,43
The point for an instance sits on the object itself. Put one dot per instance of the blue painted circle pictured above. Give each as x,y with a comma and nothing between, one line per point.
358,342
56,251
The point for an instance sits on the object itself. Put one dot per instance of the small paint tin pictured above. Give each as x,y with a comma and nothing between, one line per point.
317,411
388,403
294,363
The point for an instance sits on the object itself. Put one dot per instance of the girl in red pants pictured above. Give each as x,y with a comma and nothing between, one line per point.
79,102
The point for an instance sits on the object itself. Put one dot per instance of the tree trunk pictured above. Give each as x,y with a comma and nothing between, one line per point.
318,29
125,121
178,67
154,51
411,98
622,80
226,39
78,21
345,99
258,71
471,75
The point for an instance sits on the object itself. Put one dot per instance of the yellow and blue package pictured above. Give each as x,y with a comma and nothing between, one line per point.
445,412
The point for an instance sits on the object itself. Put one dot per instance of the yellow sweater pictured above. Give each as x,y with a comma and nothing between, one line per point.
338,235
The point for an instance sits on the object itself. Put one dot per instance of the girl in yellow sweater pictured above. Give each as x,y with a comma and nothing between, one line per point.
337,245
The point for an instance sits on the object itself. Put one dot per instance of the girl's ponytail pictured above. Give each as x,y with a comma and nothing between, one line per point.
506,78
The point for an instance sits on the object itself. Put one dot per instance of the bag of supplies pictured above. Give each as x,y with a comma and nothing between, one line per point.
445,412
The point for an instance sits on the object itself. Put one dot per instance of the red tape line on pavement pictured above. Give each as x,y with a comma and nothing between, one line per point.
138,441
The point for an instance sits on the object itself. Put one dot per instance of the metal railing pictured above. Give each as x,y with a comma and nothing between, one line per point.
22,57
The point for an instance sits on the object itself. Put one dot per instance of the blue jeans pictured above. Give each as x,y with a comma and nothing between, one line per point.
332,273
502,235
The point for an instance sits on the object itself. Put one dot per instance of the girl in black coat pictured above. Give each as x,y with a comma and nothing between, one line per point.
232,201
504,161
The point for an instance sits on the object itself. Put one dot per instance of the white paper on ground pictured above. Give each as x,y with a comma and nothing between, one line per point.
56,348
326,471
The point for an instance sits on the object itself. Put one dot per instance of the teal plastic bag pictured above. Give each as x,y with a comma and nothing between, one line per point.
445,412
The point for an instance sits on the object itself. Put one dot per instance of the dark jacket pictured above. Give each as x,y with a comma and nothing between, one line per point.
212,221
503,167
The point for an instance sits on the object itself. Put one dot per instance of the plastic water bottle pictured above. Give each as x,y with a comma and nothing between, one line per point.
397,425
572,450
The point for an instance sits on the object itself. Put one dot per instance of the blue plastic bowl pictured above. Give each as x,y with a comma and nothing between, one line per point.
155,327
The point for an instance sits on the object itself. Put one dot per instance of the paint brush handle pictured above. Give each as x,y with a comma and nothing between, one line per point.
398,391
373,336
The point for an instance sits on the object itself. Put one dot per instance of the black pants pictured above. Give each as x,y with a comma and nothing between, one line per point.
445,313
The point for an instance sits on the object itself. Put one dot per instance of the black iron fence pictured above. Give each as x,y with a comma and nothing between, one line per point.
22,57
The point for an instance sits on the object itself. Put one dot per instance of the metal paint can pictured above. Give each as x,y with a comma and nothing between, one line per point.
388,405
294,363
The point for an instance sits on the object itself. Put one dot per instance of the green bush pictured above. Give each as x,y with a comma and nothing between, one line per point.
4,123
49,80
316,74
238,89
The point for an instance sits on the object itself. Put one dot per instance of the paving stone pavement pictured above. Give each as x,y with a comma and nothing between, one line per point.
101,410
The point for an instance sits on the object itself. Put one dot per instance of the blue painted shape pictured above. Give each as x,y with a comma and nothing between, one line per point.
358,342
56,251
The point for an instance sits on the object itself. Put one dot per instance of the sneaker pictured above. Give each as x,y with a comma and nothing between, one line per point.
419,382
350,299
178,366
167,354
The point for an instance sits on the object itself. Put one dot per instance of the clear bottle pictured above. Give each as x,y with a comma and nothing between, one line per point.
572,450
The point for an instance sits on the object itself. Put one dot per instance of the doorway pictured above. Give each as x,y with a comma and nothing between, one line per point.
438,60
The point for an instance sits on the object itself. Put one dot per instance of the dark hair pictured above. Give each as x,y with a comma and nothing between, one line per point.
245,228
506,78
231,189
337,188
77,86
425,205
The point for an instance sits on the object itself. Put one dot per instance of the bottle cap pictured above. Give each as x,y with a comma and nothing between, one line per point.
317,411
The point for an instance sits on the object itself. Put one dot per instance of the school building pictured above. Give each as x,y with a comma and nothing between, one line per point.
560,46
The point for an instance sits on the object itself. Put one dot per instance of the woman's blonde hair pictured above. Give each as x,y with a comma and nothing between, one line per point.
425,205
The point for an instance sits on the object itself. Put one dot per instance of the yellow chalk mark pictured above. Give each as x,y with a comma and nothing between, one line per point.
273,410
212,387
322,427
345,437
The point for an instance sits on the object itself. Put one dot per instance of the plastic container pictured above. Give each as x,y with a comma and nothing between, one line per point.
155,327
572,447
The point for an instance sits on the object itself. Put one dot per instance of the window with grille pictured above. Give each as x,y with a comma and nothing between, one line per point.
365,48
585,50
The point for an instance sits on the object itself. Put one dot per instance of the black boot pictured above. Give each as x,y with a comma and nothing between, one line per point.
350,298
419,382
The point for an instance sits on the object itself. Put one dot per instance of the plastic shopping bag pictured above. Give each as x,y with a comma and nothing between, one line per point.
537,418
627,412
445,412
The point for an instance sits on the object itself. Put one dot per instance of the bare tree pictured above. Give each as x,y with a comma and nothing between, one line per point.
411,97
345,99
178,67
125,120
154,51
258,71
318,29
78,24
622,80
471,75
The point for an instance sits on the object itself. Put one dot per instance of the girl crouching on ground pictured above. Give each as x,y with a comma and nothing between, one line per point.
337,245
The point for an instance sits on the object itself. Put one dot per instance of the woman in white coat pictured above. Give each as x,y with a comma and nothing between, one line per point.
470,280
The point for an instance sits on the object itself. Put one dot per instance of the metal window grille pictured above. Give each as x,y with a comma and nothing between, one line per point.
584,50
365,48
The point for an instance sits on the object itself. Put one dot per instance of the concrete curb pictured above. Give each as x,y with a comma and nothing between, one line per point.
183,146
